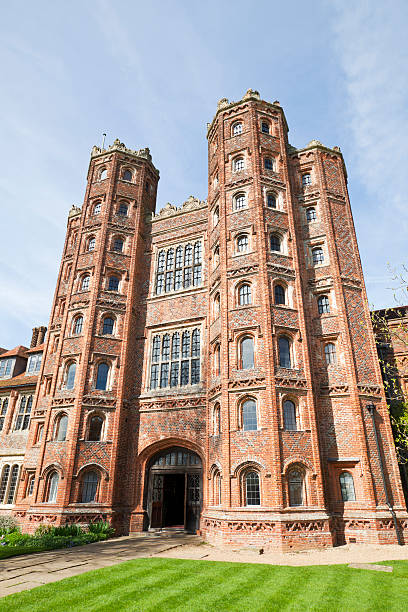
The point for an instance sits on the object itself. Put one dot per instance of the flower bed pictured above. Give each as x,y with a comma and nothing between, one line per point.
46,537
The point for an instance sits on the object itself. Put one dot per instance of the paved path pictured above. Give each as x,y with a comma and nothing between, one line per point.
28,571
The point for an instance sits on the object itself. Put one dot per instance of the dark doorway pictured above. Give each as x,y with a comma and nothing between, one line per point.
174,496
174,500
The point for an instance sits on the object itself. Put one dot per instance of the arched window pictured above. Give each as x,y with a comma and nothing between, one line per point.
216,216
91,244
275,242
271,199
97,208
85,283
347,487
123,209
265,127
246,353
279,292
252,492
53,481
242,243
237,129
216,305
238,164
330,353
239,201
70,375
102,377
118,245
60,428
306,179
107,327
217,488
113,283
78,324
95,428
289,415
317,255
30,485
244,294
310,214
217,360
268,162
323,304
296,486
89,487
284,352
103,175
127,175
249,416
217,420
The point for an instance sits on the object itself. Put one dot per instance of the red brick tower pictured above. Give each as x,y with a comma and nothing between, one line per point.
92,360
292,459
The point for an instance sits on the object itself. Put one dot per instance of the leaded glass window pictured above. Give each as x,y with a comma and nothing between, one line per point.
180,271
78,324
89,487
275,242
295,482
306,179
53,487
289,415
127,175
242,243
347,487
330,353
85,283
239,164
12,484
4,406
240,201
5,367
118,245
113,284
34,364
252,492
91,244
279,292
317,256
268,163
284,352
246,347
323,304
310,214
244,294
237,129
24,412
95,428
265,127
249,416
102,376
175,359
123,209
271,200
108,324
70,376
4,483
60,428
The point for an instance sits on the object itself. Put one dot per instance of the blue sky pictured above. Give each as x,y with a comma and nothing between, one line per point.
151,74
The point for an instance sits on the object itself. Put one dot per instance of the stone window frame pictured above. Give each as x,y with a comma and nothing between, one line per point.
56,426
263,122
125,168
23,412
101,176
114,238
95,204
103,360
171,358
330,356
239,340
216,419
65,369
51,472
238,287
238,163
239,194
216,488
292,352
237,128
310,246
120,206
81,282
34,363
92,414
74,322
304,471
108,315
4,407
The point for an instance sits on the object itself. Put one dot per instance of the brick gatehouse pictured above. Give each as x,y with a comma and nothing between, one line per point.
209,366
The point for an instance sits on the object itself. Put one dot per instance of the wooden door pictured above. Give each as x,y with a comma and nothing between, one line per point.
157,501
193,502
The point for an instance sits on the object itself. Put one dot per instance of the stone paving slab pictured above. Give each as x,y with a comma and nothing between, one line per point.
28,571
371,566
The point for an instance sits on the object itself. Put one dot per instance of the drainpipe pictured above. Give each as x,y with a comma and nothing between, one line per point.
371,410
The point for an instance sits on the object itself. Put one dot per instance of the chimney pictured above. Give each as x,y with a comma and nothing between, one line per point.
34,337
41,335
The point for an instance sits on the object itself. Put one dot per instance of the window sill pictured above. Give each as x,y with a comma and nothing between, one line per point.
177,292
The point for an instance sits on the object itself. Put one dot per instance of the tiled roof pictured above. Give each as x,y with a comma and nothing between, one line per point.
18,351
19,381
37,349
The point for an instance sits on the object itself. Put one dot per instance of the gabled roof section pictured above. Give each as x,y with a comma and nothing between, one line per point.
19,381
18,351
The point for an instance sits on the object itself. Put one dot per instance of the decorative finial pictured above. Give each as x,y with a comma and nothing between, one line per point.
252,93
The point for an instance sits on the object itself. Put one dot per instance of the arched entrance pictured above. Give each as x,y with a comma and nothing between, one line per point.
175,489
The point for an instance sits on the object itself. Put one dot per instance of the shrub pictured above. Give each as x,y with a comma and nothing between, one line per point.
101,527
8,524
68,530
43,529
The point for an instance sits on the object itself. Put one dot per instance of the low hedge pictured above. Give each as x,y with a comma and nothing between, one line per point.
49,538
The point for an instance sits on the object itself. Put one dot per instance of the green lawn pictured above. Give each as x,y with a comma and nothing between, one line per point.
172,584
